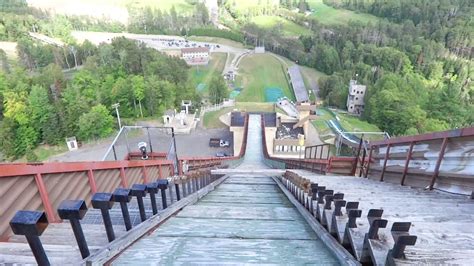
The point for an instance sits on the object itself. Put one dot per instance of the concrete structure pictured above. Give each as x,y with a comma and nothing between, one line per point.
297,84
355,99
195,55
290,133
237,127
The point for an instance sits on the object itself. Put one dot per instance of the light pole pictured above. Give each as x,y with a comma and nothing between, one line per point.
116,106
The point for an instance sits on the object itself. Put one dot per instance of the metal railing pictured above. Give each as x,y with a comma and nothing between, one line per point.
439,160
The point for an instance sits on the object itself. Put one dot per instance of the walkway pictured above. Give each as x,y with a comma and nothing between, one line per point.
247,219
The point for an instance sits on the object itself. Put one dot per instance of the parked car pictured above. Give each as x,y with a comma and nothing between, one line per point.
221,154
214,142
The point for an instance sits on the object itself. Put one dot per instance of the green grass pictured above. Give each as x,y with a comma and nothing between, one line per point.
330,16
348,122
288,28
211,119
44,152
258,71
354,124
218,40
243,5
310,75
321,122
165,5
203,74
255,107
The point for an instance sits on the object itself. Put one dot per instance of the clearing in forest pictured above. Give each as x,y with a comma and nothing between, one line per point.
329,15
260,71
287,28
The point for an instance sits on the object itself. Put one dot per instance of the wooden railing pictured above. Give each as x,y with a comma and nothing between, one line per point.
443,160
43,186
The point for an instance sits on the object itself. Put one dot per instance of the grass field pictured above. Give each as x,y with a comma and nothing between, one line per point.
246,4
203,74
288,28
216,40
329,15
354,124
258,71
349,123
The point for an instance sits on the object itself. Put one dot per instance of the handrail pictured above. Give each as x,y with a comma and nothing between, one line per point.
438,160
21,169
462,132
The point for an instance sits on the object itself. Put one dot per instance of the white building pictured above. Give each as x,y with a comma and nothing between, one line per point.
355,99
195,55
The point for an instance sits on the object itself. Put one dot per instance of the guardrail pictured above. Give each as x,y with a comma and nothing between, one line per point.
42,186
440,160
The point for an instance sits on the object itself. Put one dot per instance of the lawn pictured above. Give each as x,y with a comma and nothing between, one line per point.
258,71
180,5
211,119
354,124
329,15
203,74
288,28
348,122
310,77
218,40
248,4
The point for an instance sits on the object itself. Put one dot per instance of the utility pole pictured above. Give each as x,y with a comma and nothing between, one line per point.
116,106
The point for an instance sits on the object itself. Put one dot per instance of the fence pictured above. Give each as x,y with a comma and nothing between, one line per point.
160,141
441,160
43,186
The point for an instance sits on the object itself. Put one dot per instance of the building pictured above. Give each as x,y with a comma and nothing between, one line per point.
355,99
297,84
195,55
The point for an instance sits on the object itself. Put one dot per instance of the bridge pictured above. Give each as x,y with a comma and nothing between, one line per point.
405,200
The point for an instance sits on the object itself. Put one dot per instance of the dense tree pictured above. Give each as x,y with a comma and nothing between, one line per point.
217,89
97,123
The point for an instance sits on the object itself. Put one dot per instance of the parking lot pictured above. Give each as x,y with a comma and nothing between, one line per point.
194,144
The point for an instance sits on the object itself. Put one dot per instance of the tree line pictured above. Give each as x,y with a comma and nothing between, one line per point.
416,82
46,107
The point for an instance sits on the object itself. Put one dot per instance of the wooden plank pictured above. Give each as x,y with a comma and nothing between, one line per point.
219,251
122,242
343,256
243,199
378,251
232,228
240,212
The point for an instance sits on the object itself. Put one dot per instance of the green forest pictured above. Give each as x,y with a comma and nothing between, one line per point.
415,56
416,61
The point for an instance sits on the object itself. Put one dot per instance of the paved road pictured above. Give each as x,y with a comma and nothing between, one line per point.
194,144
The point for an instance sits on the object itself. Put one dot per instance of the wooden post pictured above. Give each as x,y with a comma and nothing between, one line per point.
385,162
407,162
145,175
48,208
438,162
368,163
123,178
160,173
92,184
